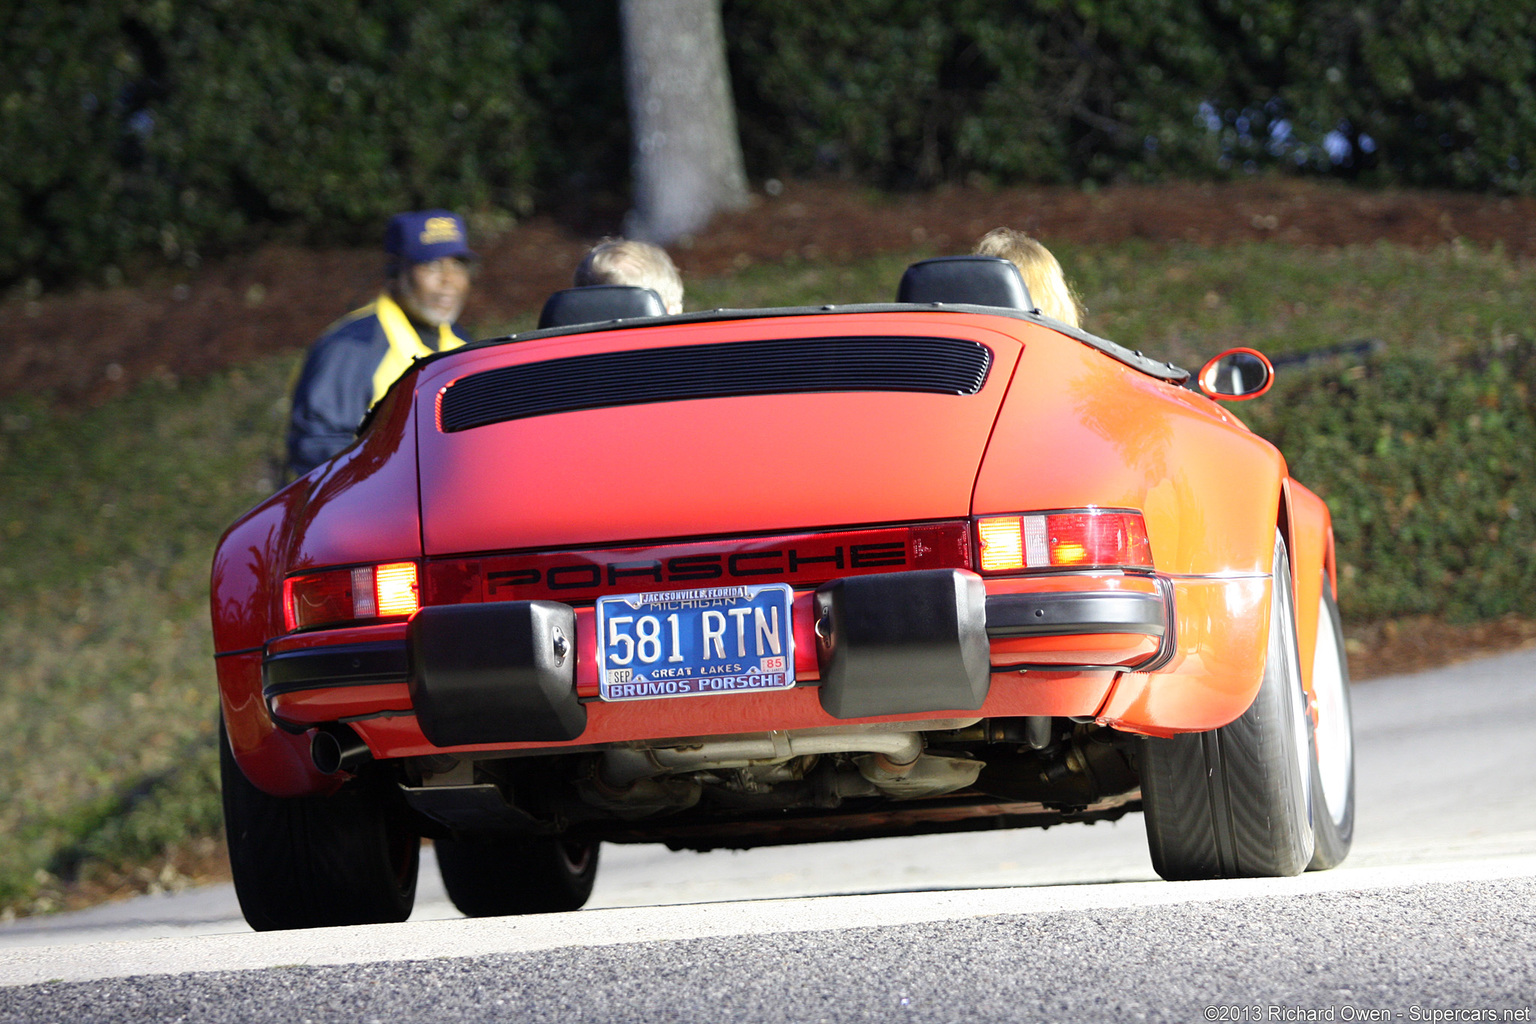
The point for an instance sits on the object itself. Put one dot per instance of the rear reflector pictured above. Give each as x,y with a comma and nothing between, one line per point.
339,596
1087,538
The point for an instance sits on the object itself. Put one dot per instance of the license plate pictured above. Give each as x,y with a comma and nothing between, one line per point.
683,643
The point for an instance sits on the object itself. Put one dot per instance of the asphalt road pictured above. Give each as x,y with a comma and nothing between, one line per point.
1431,918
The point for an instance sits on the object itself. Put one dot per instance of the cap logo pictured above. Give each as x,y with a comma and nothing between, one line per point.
438,230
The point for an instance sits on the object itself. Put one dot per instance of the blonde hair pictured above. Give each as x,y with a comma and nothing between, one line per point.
1042,274
639,264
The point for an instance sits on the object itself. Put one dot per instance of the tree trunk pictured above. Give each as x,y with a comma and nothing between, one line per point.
687,156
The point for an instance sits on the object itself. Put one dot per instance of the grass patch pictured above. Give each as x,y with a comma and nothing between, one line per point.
1186,303
108,518
108,523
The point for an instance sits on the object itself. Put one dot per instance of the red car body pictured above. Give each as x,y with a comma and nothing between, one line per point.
553,469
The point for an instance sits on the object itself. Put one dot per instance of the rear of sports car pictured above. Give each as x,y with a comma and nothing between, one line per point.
729,583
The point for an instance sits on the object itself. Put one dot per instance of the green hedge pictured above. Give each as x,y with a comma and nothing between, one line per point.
1426,466
1424,92
165,130
176,128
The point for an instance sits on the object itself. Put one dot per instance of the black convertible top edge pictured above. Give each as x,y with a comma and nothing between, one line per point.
1136,360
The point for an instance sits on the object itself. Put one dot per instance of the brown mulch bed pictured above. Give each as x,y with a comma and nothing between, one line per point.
203,861
1412,645
83,347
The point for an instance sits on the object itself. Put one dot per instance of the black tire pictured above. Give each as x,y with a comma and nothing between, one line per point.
498,877
1234,802
1333,741
315,862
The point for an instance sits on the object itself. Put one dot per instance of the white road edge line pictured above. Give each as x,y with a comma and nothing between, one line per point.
429,940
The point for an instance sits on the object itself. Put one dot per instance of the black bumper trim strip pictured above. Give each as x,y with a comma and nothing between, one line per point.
1067,614
330,667
1008,616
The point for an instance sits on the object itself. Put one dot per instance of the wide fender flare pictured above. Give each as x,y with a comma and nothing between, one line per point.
246,606
1222,599
1218,667
334,508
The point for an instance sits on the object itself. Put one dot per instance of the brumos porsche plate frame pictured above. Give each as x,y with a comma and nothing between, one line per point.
767,576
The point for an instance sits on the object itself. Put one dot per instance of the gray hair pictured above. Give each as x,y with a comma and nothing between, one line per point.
640,264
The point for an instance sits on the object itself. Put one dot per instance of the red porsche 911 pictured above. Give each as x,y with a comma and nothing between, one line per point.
765,576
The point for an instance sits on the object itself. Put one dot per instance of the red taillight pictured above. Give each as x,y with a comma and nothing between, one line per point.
1088,538
349,595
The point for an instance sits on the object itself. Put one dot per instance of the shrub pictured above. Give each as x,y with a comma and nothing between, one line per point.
1064,90
1426,467
168,129
177,128
66,82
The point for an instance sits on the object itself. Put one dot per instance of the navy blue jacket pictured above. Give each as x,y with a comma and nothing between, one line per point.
336,387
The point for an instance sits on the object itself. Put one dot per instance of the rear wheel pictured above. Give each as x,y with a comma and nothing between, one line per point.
318,861
1333,742
498,877
1235,802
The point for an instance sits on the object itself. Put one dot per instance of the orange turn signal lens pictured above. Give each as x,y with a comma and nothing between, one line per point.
395,585
338,596
1002,543
1086,538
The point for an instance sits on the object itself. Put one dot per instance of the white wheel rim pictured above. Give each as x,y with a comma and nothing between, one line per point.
1335,752
1285,620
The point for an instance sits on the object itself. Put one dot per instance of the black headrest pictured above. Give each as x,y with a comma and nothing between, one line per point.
973,280
596,303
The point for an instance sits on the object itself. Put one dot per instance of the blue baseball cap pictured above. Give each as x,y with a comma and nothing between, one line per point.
426,235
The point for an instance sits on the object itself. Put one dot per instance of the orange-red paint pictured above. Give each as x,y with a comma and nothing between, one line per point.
1057,425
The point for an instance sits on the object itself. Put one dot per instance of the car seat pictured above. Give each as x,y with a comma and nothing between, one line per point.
965,280
597,303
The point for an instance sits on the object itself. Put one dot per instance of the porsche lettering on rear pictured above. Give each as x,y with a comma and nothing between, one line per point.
790,563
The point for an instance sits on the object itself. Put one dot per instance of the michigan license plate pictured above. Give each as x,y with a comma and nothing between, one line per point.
683,643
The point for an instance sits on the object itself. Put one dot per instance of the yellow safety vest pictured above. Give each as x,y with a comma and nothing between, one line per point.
405,345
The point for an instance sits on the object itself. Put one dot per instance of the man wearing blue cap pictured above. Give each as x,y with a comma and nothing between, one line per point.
359,356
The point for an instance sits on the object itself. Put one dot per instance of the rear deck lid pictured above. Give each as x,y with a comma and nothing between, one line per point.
710,428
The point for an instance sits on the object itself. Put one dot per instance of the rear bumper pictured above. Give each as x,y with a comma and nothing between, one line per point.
1071,614
854,659
343,666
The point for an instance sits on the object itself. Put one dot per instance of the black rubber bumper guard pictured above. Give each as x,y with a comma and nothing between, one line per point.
1079,614
888,644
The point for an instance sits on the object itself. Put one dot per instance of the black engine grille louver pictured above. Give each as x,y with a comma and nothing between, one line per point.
941,366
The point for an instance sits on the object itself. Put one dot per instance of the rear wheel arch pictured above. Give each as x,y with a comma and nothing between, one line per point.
1236,801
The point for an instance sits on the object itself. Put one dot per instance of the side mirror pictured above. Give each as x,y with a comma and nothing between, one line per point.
1237,374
